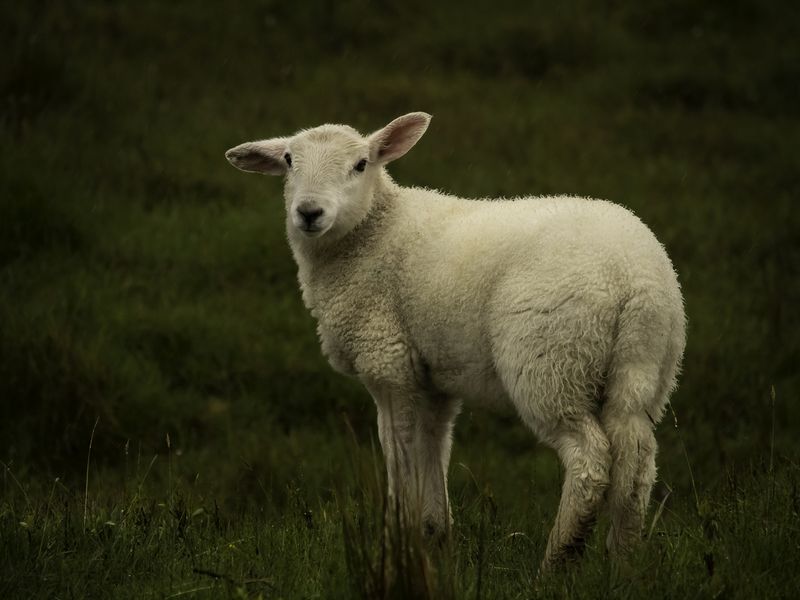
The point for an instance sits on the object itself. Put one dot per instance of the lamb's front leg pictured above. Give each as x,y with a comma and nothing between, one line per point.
415,433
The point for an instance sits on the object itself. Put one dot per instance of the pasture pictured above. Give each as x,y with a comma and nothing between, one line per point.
169,426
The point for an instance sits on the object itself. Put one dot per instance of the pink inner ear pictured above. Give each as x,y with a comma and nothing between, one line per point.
399,136
403,137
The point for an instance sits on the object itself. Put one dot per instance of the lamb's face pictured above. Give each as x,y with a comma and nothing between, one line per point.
330,171
329,180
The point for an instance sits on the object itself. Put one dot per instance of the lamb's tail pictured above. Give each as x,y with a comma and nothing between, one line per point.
642,374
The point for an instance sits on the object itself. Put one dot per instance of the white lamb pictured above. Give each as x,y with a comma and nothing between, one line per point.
568,308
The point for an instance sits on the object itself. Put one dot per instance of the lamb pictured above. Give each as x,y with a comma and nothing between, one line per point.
567,308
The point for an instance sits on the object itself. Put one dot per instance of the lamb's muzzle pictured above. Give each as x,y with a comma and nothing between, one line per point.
309,213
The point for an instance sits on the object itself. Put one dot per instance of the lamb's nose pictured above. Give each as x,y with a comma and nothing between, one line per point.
309,214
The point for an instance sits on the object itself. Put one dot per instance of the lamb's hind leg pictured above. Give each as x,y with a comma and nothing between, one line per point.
583,448
633,449
637,395
642,377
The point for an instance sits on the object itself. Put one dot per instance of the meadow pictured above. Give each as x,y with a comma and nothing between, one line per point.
169,427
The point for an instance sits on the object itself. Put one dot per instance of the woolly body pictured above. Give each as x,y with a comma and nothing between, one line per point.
567,308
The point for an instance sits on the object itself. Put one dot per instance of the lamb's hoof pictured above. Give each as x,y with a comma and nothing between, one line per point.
560,561
433,534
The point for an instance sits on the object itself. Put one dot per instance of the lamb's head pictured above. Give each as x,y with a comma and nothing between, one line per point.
331,171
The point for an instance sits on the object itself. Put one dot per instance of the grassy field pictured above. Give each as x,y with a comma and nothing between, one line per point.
173,540
149,306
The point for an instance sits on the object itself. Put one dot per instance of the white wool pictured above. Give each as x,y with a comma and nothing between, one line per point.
567,308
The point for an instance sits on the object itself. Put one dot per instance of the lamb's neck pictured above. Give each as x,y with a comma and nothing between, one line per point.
316,258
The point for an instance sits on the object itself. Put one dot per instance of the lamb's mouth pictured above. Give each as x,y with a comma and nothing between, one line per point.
311,231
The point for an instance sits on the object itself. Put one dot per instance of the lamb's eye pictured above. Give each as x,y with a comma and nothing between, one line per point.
288,158
361,165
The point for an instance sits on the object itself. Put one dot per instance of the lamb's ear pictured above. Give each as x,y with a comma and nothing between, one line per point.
397,138
265,156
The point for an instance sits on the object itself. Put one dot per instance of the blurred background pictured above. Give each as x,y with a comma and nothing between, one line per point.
147,287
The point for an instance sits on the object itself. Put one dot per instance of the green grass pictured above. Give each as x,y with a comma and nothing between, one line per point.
146,283
156,534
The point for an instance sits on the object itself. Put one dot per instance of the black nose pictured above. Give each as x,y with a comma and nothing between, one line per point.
309,214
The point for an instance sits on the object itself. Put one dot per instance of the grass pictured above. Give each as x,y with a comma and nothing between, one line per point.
146,287
146,539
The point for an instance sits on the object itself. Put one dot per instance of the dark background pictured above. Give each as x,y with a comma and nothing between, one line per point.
145,282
